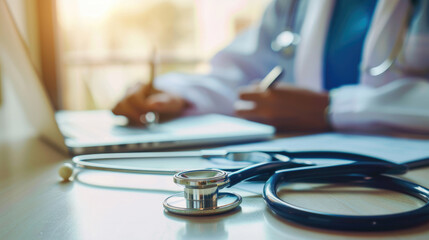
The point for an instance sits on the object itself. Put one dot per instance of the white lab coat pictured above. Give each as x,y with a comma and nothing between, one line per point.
392,100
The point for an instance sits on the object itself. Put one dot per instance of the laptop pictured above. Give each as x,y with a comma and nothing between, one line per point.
100,131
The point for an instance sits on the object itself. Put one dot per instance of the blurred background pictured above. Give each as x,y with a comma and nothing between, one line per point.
88,52
103,46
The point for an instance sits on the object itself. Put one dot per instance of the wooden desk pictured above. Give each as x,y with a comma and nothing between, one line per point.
34,204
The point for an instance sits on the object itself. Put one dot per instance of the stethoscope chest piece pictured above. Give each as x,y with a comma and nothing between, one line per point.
178,204
286,43
201,196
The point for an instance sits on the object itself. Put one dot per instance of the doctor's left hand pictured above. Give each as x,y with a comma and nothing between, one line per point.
141,99
287,108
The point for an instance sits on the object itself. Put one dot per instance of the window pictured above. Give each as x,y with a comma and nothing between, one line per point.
105,45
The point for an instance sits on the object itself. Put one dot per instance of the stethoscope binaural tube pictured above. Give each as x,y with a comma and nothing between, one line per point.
92,161
362,174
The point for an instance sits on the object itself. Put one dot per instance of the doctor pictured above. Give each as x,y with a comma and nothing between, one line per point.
324,87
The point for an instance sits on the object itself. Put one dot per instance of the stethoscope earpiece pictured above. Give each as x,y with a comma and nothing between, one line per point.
66,171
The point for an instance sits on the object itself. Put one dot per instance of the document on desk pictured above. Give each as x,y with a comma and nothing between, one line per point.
397,150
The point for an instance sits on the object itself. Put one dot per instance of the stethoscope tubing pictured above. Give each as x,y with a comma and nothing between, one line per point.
276,165
90,161
367,174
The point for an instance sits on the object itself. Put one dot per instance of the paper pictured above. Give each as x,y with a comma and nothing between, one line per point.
397,150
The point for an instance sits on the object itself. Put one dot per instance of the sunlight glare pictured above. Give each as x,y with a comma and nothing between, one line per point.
95,9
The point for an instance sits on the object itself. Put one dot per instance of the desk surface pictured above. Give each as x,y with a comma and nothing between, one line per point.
35,204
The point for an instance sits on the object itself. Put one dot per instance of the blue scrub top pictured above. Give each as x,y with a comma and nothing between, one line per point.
343,50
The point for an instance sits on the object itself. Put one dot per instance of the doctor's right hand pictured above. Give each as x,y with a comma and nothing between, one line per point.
141,99
287,108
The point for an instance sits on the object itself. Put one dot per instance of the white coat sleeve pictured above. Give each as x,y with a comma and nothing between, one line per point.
247,58
401,102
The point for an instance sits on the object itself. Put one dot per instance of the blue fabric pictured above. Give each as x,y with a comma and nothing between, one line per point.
343,50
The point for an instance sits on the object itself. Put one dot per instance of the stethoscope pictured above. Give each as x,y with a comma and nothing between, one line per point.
287,41
201,196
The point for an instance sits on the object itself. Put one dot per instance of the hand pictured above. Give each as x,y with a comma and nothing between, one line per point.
287,108
141,99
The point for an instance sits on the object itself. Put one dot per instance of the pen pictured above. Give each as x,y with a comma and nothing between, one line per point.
152,67
271,78
150,119
268,82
